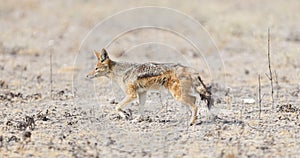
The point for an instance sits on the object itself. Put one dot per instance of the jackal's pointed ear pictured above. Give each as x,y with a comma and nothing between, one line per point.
97,54
104,55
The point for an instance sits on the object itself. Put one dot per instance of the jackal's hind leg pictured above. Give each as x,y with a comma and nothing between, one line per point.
181,92
190,101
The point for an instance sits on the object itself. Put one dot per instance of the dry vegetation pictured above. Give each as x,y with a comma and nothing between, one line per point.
34,125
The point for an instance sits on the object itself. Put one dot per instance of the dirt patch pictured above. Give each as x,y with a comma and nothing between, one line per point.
36,124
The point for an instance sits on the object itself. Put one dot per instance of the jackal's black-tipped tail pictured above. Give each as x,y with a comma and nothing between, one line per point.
205,94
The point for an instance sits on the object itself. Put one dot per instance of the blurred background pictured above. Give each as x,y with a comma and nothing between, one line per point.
238,28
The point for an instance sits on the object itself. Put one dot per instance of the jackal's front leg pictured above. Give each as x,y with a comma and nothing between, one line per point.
142,100
130,96
122,104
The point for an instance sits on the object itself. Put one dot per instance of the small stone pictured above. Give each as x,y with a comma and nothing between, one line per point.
27,134
247,72
249,101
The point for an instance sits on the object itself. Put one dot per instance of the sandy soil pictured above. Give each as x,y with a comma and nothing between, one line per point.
36,122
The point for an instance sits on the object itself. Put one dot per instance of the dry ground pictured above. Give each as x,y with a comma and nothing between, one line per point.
34,125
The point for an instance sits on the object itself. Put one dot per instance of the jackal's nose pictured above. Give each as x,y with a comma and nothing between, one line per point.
89,77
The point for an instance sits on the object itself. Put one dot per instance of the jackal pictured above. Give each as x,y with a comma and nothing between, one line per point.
136,79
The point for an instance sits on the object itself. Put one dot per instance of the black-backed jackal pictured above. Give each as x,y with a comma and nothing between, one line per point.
136,79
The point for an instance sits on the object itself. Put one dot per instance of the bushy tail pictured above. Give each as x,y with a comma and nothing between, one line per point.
205,93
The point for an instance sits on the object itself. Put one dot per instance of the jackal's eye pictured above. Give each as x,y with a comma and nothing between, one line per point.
96,68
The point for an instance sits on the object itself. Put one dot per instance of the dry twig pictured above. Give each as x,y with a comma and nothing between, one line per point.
270,76
50,44
259,96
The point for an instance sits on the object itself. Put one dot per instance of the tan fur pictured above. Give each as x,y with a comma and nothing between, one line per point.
136,79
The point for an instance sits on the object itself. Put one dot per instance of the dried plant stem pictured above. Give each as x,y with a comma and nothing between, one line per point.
277,84
51,79
259,96
270,76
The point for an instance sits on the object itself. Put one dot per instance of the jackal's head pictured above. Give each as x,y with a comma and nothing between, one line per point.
102,67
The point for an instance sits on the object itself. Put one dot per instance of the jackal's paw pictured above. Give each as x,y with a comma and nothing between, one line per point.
139,118
192,123
124,115
199,123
